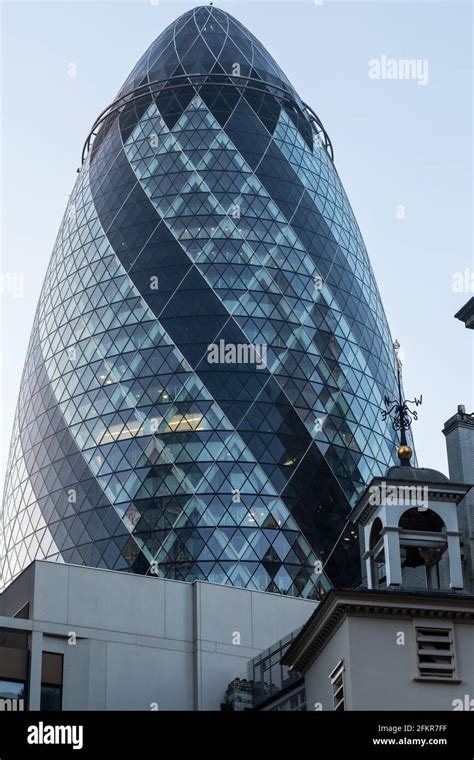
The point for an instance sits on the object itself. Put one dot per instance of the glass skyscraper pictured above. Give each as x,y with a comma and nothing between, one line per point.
202,389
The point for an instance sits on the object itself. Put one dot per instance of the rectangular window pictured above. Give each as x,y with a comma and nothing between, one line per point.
51,697
12,695
337,683
435,653
13,669
13,655
52,681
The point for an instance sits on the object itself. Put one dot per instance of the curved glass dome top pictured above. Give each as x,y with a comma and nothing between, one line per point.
202,41
202,390
206,46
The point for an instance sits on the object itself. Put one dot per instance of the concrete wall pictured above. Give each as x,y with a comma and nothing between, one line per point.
381,674
225,615
144,642
319,693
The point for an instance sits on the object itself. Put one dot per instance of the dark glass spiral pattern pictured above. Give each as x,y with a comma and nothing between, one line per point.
208,209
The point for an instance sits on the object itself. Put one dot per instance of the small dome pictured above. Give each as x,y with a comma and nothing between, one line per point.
421,474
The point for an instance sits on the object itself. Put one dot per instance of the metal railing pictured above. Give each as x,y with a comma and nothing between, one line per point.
201,80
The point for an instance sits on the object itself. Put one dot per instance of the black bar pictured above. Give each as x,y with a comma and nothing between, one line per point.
189,734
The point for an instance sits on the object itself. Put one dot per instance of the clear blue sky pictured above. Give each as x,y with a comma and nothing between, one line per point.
396,143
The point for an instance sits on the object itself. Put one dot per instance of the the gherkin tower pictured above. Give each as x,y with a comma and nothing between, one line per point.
207,213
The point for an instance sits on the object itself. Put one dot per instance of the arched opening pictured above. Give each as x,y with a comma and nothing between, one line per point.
423,554
375,533
424,520
377,551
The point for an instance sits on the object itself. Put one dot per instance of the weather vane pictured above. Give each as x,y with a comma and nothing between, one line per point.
400,413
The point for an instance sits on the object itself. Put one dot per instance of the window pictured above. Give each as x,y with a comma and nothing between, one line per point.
12,695
13,669
337,683
52,681
51,697
435,653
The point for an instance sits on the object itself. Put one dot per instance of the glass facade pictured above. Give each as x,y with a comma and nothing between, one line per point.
207,216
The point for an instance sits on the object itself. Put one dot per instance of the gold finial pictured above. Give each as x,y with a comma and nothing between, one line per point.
404,453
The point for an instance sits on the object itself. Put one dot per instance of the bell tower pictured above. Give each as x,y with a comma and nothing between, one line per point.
409,528
408,521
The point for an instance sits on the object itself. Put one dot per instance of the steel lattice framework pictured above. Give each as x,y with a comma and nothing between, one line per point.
207,209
